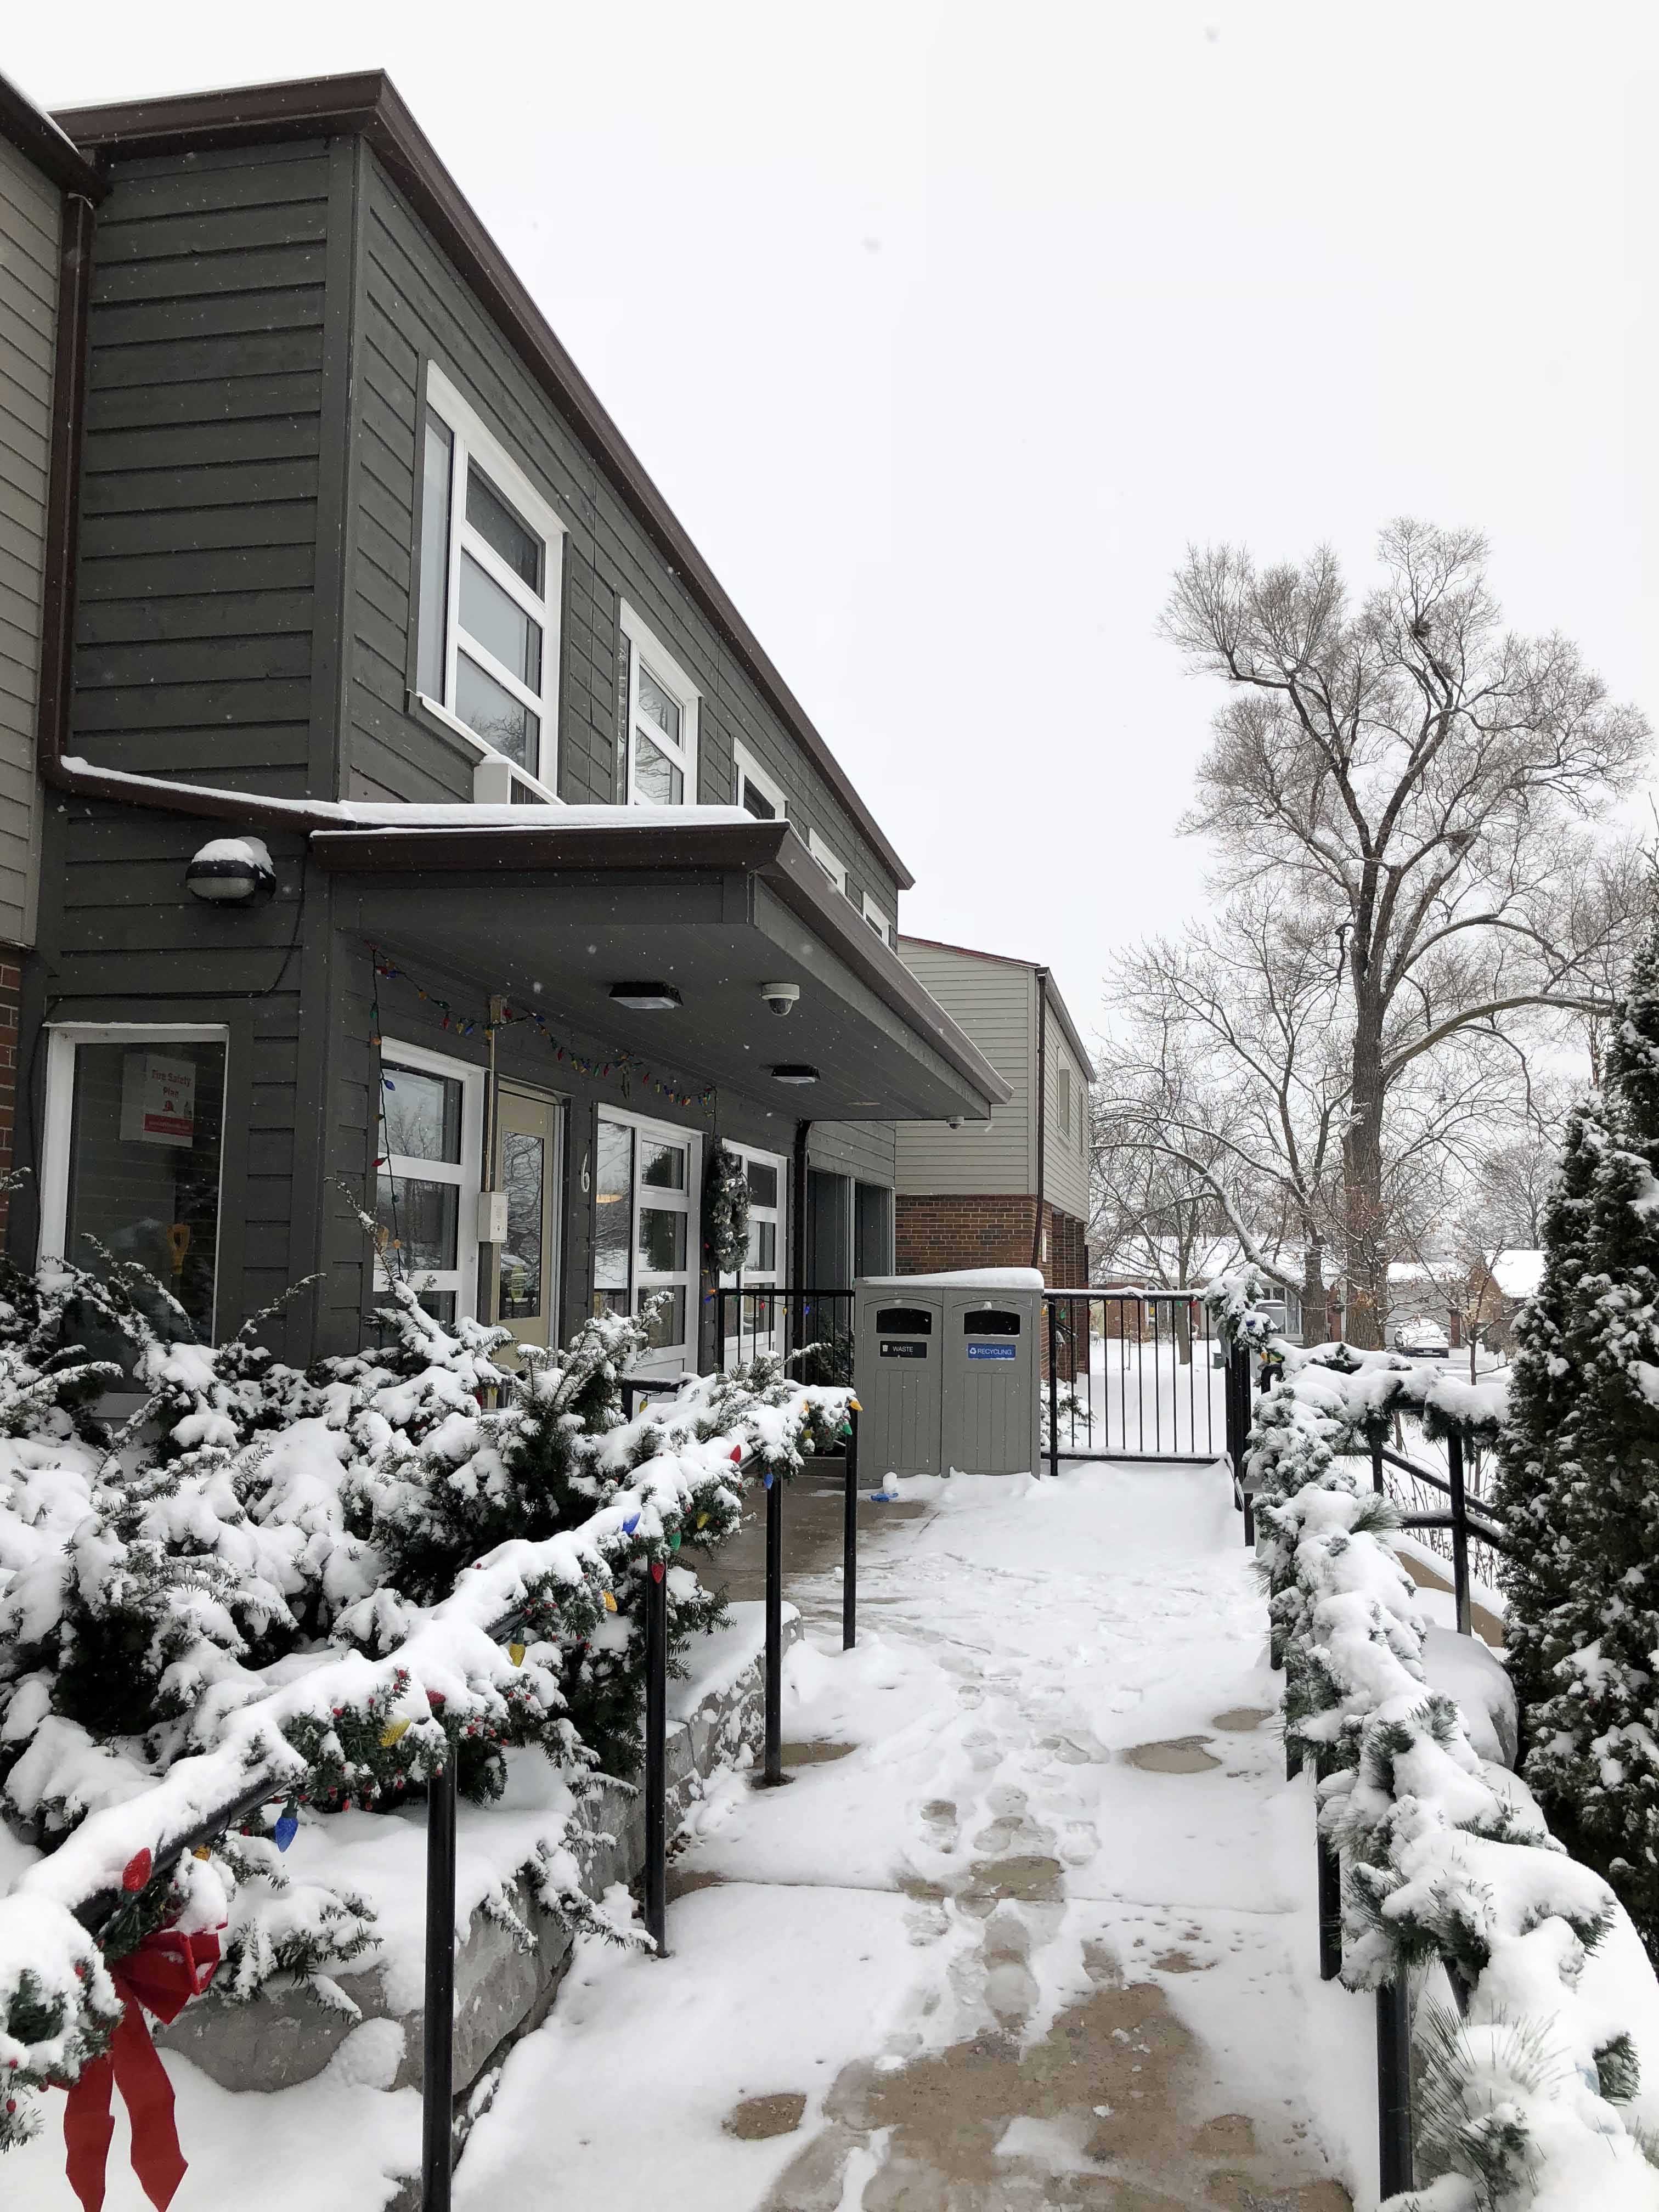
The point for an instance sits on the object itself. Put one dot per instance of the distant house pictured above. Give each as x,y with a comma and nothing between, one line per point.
1013,1191
1427,1291
47,190
1498,1292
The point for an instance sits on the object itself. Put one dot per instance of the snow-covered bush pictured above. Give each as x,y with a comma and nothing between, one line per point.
339,1579
1445,1855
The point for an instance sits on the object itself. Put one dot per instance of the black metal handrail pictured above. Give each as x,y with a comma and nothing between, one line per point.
810,1314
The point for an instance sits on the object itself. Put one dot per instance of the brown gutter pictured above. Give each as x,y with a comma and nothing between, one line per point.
368,106
1042,1109
39,139
773,850
69,401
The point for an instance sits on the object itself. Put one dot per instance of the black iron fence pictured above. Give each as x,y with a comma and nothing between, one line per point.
1133,1375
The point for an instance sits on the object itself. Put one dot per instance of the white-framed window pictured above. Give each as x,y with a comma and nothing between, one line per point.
834,867
648,1175
134,1156
758,793
1063,1102
428,1163
491,560
880,923
662,722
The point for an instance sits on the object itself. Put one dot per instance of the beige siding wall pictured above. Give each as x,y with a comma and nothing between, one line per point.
1066,1168
29,219
996,1003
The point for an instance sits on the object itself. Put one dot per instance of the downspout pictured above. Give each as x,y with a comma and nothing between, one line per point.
68,407
798,1232
1041,1110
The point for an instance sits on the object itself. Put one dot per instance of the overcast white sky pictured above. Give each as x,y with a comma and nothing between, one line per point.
945,327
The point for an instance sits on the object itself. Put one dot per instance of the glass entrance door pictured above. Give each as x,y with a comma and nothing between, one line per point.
527,1168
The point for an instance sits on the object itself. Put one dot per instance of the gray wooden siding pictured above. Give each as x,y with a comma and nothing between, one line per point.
194,632
864,1150
994,1001
412,308
30,219
1065,1168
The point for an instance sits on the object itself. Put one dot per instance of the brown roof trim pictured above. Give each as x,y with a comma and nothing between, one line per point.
771,850
369,106
1035,968
40,140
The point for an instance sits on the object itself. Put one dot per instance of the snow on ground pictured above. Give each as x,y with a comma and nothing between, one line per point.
1144,1397
1034,1905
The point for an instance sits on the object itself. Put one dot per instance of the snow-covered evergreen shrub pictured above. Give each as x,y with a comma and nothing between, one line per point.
1445,1855
1579,1475
420,1554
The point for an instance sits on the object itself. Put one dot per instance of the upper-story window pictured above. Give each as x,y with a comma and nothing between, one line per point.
662,722
487,655
758,793
880,923
1064,1101
834,868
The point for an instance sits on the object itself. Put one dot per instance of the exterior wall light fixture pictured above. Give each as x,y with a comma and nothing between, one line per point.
231,872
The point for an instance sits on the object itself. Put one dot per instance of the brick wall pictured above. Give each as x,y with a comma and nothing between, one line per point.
932,1235
11,984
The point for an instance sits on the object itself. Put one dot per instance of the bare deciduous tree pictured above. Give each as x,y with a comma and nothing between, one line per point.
1418,779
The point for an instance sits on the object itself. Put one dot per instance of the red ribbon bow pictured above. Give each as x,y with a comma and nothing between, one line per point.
162,1975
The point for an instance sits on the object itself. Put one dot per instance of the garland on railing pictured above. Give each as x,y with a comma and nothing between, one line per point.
627,1066
1445,1855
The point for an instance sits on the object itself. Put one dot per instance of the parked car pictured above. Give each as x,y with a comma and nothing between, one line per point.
1422,1339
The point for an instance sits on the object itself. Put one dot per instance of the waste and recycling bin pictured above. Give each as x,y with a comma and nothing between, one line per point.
897,1343
949,1370
992,1376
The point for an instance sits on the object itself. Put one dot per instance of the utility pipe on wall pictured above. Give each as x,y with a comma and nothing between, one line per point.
1041,1110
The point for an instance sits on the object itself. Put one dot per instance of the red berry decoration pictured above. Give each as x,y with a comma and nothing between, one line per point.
737,1453
656,1571
136,1872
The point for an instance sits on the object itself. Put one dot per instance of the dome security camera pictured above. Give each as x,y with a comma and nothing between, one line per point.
780,997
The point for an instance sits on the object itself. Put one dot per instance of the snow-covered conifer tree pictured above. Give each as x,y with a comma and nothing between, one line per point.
1579,1475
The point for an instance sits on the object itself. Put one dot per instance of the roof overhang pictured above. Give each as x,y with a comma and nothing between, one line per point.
550,916
367,105
38,138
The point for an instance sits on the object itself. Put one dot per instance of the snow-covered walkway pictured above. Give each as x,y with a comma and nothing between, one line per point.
1026,1930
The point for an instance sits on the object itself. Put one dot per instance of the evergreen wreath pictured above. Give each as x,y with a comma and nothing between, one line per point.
725,1211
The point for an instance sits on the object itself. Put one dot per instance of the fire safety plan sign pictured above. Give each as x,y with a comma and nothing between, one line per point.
158,1099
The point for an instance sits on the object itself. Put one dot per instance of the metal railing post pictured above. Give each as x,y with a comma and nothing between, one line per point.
656,1758
849,1537
1459,1534
1053,1389
773,1771
438,2066
1394,2086
1330,1896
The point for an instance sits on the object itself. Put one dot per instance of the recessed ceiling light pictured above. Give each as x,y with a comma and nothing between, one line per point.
646,998
795,1071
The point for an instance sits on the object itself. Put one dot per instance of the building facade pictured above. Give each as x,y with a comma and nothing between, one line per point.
435,844
1013,1191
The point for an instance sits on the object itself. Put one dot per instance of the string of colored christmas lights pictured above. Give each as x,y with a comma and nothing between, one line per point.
627,1067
